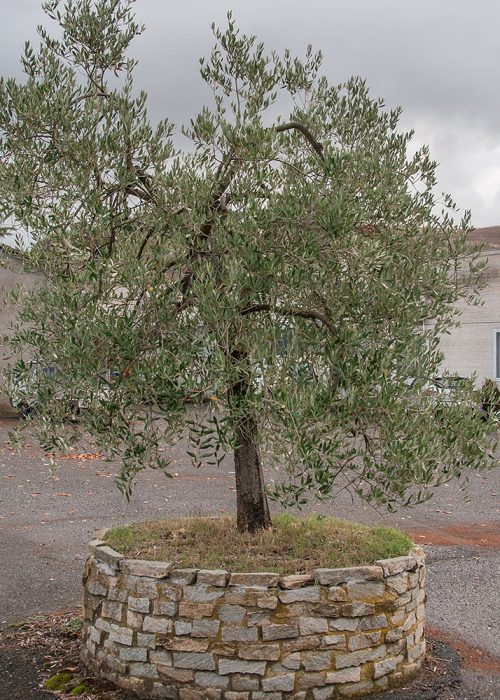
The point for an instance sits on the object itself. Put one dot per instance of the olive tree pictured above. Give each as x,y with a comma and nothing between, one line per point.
277,271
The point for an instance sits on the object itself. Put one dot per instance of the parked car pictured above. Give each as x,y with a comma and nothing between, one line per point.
27,383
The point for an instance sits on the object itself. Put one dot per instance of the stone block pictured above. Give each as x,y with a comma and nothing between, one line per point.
227,666
394,635
95,635
260,652
181,627
96,588
420,613
108,556
347,675
205,628
270,631
284,683
365,590
196,661
337,594
133,654
317,661
122,635
332,577
201,594
213,577
231,613
167,591
176,675
397,565
312,625
326,609
382,668
356,658
373,622
147,587
140,670
310,680
353,691
301,644
397,583
344,624
103,625
211,680
184,577
114,664
165,607
239,634
334,641
141,605
148,569
161,657
233,695
146,640
292,661
326,693
356,609
135,620
363,641
411,620
267,602
159,691
196,610
291,581
257,619
190,694
162,625
416,651
311,594
254,580
244,682
224,649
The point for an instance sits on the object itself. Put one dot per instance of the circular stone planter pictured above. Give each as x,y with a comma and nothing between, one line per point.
193,634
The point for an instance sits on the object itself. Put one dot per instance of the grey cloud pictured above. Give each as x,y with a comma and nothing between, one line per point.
438,60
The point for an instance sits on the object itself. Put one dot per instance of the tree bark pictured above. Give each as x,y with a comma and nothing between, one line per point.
251,502
252,509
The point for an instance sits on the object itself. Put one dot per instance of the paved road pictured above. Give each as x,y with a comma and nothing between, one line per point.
47,519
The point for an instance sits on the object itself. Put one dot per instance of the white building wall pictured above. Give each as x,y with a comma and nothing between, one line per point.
470,348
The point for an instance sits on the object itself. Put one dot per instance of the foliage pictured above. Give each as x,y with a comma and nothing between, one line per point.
279,267
292,545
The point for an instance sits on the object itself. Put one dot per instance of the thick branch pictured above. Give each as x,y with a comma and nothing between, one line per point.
288,311
297,126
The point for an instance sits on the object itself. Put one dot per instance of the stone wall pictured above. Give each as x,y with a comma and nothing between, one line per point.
192,634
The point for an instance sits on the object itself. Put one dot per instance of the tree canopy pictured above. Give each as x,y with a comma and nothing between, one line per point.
277,271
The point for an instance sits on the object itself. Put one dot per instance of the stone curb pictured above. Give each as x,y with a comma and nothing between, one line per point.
148,568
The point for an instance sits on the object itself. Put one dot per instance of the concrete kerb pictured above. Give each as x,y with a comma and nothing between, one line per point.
190,634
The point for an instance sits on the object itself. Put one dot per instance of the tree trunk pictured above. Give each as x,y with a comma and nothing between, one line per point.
251,502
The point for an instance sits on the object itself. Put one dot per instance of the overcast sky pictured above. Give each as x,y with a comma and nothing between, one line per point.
438,59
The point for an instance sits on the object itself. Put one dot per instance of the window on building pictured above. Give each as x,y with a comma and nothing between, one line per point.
496,353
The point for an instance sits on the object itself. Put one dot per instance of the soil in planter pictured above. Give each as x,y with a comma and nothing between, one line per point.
293,545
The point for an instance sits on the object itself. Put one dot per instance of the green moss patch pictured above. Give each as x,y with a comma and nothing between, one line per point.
58,682
293,545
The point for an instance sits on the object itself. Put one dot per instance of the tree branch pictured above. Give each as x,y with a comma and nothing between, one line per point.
289,311
297,126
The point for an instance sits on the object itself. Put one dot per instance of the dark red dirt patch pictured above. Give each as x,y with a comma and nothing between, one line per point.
465,534
472,657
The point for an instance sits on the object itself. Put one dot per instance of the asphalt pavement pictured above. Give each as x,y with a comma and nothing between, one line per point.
47,519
